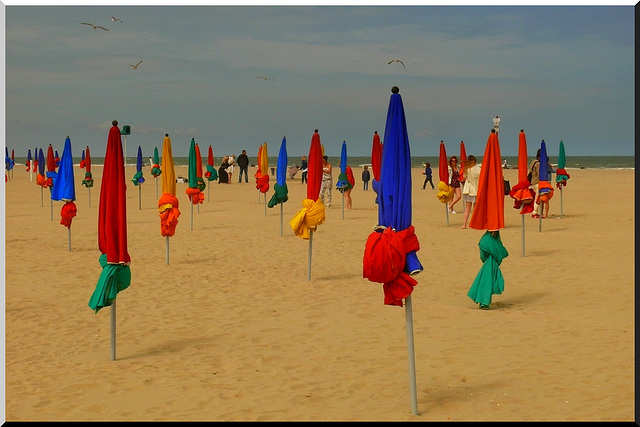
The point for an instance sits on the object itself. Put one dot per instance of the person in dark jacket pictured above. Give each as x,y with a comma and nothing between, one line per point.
243,164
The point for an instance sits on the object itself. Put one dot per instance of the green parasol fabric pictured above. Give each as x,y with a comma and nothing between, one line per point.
489,280
155,169
113,279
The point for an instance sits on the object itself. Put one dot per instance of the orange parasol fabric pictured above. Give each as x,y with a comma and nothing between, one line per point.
312,213
488,213
522,193
168,203
445,192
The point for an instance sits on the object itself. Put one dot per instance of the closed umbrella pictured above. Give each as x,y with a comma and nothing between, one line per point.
168,203
376,158
522,193
262,174
51,172
155,168
488,215
57,159
211,174
41,178
561,174
65,189
13,161
343,184
112,232
463,160
200,183
7,161
281,192
390,251
29,164
445,192
88,178
545,189
193,190
138,178
312,214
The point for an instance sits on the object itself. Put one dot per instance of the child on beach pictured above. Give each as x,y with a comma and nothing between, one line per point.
366,177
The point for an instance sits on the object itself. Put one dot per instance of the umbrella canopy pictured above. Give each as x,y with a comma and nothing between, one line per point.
194,190
343,184
112,226
561,174
281,192
463,160
488,213
376,158
57,159
51,165
168,203
88,178
155,169
445,192
65,189
522,194
489,280
138,178
82,161
28,164
390,255
211,174
312,213
262,174
41,178
545,189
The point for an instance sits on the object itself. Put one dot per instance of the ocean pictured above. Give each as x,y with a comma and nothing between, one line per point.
572,162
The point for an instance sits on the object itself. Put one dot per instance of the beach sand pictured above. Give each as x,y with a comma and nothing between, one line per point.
232,329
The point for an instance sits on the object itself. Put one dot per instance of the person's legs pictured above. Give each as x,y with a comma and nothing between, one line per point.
431,182
465,218
456,197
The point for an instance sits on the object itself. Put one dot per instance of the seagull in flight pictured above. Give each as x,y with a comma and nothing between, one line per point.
135,67
396,60
95,26
114,19
266,78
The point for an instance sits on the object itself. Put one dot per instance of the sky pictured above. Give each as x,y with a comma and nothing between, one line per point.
558,72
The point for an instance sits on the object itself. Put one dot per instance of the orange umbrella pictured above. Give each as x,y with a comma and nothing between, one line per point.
522,193
463,160
488,213
168,203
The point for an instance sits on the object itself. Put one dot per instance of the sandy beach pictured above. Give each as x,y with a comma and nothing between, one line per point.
232,329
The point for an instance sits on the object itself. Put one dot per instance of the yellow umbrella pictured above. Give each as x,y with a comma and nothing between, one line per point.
168,202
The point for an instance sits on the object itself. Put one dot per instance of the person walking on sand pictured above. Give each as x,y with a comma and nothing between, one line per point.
304,166
428,175
243,164
347,193
327,182
454,182
471,171
366,177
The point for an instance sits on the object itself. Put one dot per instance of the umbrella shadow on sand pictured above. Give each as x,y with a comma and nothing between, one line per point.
518,302
174,346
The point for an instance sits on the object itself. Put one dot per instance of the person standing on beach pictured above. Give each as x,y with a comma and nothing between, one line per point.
223,176
454,182
534,171
327,182
304,166
366,177
470,189
428,175
231,167
347,193
243,164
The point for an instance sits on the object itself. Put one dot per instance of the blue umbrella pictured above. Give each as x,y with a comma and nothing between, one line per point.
65,189
342,184
281,192
28,165
57,158
390,252
545,189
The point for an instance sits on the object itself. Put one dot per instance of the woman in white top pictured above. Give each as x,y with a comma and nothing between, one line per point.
231,167
470,190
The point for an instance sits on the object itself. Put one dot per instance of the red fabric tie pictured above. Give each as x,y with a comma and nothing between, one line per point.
67,213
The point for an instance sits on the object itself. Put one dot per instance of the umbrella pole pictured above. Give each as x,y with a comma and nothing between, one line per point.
410,350
343,205
540,221
310,246
51,209
561,201
281,218
522,216
113,330
209,192
191,216
89,196
167,250
42,197
446,207
265,204
69,238
139,197
156,187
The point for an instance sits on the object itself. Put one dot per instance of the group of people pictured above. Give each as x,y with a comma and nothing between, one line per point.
228,167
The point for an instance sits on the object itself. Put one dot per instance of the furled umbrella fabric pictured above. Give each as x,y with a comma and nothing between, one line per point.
193,190
28,163
138,178
312,213
65,189
281,192
211,174
41,178
390,256
445,192
489,280
463,160
545,189
343,184
488,213
200,183
82,161
561,174
168,204
112,226
155,169
376,158
51,166
522,193
88,178
57,159
262,174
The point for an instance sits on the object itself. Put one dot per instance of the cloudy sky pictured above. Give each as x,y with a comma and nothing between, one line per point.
558,72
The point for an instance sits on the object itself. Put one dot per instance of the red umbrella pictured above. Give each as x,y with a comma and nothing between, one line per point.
445,191
522,193
463,160
312,214
376,160
488,213
51,172
112,231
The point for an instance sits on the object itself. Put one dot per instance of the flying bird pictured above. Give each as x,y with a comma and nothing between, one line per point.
135,67
95,26
396,60
114,19
265,78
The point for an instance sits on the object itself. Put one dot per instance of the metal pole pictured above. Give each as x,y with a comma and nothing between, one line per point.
89,196
410,352
69,238
522,216
281,218
446,206
51,209
139,197
343,205
167,237
560,201
310,246
191,216
113,330
265,204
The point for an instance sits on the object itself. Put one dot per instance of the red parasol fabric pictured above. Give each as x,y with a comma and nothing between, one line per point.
488,213
463,160
376,156
88,178
445,192
211,174
312,213
262,173
522,193
51,166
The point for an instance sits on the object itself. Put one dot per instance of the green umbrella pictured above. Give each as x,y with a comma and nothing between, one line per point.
561,174
155,168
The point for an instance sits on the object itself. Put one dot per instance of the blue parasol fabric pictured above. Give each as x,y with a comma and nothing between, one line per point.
281,193
545,189
138,178
65,189
343,184
28,164
398,240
